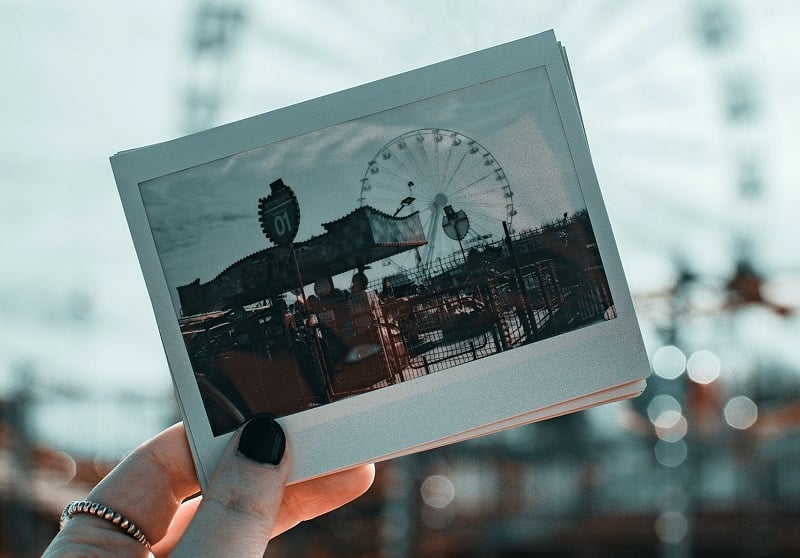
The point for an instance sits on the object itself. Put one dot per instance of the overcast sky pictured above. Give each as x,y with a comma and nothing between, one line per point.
205,218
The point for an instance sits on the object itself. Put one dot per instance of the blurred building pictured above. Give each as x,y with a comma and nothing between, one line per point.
702,464
36,482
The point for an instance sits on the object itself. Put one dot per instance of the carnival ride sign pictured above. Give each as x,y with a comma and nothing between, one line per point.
279,214
455,223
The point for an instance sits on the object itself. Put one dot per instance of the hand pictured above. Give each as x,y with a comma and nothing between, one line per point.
246,503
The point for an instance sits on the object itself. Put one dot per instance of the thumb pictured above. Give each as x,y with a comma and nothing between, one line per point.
240,505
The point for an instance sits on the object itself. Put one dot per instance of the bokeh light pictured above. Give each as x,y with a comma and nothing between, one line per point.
672,527
64,467
670,454
741,412
437,518
671,426
660,404
703,367
437,491
669,362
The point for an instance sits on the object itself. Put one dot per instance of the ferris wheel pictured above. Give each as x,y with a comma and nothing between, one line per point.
435,172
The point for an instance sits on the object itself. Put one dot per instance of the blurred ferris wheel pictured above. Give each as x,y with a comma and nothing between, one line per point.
647,77
432,171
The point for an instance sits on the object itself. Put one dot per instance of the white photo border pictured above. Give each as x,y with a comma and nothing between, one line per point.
442,405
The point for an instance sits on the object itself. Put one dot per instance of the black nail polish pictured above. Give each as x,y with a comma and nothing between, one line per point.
263,440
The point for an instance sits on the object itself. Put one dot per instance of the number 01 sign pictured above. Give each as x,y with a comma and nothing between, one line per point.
279,214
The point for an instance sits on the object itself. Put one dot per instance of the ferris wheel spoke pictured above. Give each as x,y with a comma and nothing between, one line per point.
431,179
480,209
432,235
403,178
478,206
478,232
419,172
425,191
410,175
388,192
496,171
455,172
412,172
486,216
449,158
438,168
434,168
473,183
416,158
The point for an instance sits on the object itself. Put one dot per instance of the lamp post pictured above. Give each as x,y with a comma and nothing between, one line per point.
405,202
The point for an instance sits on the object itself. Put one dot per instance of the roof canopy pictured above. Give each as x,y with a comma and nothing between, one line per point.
366,235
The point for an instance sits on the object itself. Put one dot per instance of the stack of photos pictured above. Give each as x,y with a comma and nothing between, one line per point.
381,249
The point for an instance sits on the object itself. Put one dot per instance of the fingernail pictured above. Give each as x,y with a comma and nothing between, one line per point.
263,440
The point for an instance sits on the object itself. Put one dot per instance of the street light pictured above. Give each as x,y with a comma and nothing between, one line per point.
404,203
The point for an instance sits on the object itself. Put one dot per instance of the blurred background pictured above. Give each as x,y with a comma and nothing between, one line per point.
691,113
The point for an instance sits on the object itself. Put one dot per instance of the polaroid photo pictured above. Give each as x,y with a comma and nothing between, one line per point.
397,266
